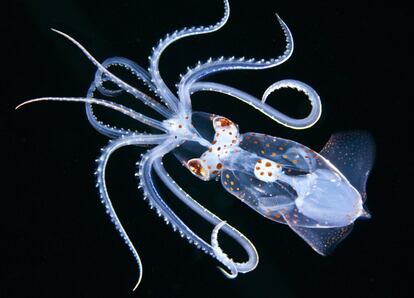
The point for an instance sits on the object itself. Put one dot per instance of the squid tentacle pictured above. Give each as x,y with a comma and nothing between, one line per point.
114,106
144,174
154,59
97,85
147,163
222,64
103,191
139,72
221,255
234,267
121,84
101,127
269,111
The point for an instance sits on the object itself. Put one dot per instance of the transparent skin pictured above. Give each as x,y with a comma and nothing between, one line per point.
286,181
319,195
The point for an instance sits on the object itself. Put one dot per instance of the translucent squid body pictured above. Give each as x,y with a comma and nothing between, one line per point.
318,195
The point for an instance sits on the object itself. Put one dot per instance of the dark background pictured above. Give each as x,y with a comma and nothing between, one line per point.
58,240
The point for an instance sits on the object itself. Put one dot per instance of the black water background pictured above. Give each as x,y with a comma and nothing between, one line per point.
58,240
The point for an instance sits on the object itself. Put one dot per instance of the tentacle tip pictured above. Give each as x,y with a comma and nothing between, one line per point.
231,275
137,284
60,33
56,30
22,104
279,18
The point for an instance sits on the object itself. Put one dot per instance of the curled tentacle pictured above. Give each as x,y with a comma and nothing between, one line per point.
114,106
162,88
103,191
245,243
220,255
124,86
313,97
260,105
222,64
146,164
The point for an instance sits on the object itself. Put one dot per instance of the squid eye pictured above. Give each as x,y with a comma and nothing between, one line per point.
198,168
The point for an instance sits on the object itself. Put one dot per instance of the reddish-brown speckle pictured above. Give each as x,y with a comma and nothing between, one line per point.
196,167
224,121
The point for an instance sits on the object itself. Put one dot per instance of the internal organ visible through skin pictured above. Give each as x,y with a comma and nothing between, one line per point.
267,170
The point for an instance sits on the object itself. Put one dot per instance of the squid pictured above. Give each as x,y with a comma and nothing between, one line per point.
319,195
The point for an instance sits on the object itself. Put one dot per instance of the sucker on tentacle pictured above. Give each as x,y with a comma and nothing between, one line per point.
103,192
114,106
168,40
220,255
